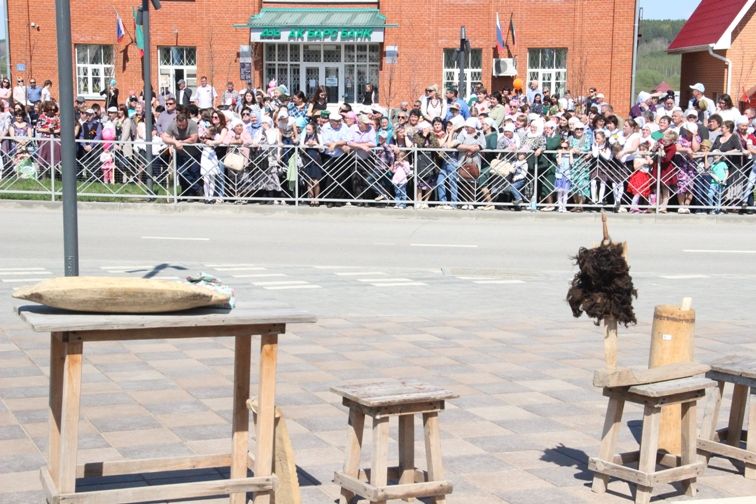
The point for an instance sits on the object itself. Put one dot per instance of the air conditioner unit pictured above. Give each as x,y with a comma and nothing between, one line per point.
504,67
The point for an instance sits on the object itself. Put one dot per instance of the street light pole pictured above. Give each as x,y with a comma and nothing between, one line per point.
462,62
147,75
67,140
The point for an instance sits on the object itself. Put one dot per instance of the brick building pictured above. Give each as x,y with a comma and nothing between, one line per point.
718,47
566,44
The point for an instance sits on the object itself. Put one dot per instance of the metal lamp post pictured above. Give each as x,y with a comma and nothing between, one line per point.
147,77
462,55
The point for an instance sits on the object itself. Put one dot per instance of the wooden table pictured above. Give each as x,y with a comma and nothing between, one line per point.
68,332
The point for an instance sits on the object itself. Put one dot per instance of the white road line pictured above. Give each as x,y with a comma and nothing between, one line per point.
718,251
3,270
281,287
476,278
259,275
242,268
683,277
125,268
228,265
360,273
401,284
4,273
445,245
335,267
12,280
179,238
287,282
381,280
499,282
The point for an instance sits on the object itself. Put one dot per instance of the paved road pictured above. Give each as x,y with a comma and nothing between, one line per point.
470,300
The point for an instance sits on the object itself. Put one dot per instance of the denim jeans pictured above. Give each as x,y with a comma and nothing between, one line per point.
515,187
748,193
715,196
448,172
400,194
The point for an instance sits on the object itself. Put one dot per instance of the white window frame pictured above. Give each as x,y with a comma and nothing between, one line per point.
546,70
473,75
169,71
85,70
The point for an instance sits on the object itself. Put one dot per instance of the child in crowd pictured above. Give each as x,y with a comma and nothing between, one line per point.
719,172
639,183
563,172
601,174
209,165
518,178
401,170
107,166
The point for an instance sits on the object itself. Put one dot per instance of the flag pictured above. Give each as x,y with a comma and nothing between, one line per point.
499,35
512,29
120,30
139,33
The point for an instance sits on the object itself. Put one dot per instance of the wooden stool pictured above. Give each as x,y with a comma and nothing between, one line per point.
382,399
684,391
741,372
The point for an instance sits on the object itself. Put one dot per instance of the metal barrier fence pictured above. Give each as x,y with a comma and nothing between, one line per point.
414,177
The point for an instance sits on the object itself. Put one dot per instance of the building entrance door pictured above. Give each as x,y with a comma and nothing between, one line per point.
332,83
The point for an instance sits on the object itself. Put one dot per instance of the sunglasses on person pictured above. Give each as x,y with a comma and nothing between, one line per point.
428,90
216,117
402,117
170,103
244,114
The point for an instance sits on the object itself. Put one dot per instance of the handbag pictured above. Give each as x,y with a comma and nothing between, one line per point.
469,171
234,161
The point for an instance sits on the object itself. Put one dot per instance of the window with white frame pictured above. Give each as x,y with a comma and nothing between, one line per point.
174,64
549,68
473,72
95,67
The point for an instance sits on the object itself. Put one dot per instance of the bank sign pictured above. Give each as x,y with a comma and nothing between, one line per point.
317,35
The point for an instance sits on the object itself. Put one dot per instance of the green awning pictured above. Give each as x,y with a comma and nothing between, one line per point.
322,18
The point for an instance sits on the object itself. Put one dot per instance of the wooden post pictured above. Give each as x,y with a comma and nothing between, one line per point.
672,342
610,342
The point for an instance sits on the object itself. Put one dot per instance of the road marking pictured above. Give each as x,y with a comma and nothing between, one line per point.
476,278
3,270
499,282
259,275
398,284
281,287
287,282
124,268
12,280
335,267
242,268
444,245
683,277
359,273
179,238
228,265
4,273
381,280
718,251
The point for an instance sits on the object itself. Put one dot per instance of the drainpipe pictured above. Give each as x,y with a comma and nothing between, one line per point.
638,14
727,62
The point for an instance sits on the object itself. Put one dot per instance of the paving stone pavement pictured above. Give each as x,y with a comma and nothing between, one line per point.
525,423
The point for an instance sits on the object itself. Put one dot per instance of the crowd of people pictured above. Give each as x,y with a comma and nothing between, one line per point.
525,146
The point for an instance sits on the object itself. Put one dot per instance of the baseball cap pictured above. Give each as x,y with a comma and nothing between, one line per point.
89,111
698,87
326,114
365,119
457,122
80,99
112,109
454,105
471,122
691,113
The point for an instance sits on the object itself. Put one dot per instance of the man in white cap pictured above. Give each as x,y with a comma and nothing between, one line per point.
697,90
362,140
335,136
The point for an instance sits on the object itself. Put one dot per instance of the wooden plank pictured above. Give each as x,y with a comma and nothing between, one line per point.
750,468
379,465
731,378
682,473
171,492
663,401
689,431
266,397
55,403
355,431
433,450
625,377
140,466
389,392
353,486
48,486
177,332
648,450
737,414
46,319
672,387
69,422
613,470
406,449
724,450
737,365
396,409
610,343
409,491
240,419
612,425
711,413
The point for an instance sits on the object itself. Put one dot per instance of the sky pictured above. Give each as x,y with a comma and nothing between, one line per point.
669,9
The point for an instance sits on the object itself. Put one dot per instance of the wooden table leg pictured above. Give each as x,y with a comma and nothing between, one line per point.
612,426
240,428
737,414
379,466
688,444
353,450
57,358
407,450
750,469
266,398
433,450
69,421
649,447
